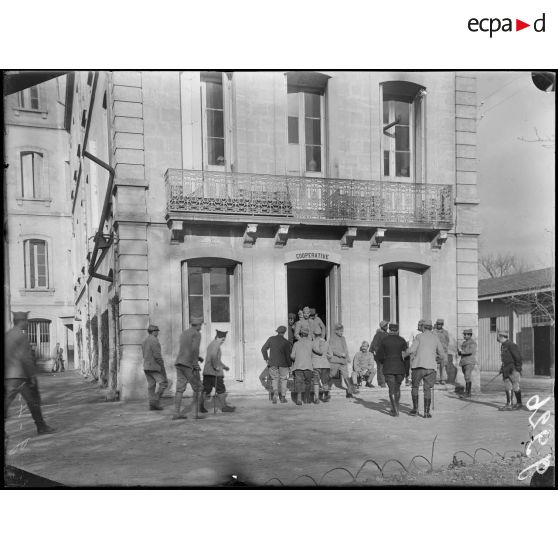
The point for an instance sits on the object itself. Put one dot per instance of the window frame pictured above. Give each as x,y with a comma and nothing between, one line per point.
392,142
31,272
37,189
26,95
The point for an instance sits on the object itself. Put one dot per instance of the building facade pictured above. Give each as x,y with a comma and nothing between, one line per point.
522,304
37,206
242,196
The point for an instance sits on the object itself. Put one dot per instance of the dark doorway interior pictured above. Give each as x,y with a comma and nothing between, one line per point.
306,286
542,350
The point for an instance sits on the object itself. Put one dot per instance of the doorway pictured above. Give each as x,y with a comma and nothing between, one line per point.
315,283
542,341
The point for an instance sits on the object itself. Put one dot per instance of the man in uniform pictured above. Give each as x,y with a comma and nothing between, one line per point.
321,353
20,372
468,354
340,359
154,368
380,334
303,371
213,375
188,368
315,321
363,366
510,370
303,322
390,353
443,335
278,362
425,351
290,328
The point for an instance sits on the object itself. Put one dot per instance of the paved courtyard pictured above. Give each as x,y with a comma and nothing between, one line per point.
100,443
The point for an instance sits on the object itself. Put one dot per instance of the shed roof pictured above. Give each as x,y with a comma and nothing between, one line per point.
539,279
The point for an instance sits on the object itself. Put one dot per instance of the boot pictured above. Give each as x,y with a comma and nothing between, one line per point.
44,428
393,412
155,406
353,387
316,394
201,406
274,398
282,398
177,403
326,396
427,408
508,405
308,394
222,397
414,411
299,398
518,406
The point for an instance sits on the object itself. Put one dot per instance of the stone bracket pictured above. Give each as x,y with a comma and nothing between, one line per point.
377,238
177,232
281,236
439,240
349,237
250,235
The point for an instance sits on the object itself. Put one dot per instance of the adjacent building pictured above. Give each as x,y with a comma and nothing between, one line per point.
522,304
38,271
242,196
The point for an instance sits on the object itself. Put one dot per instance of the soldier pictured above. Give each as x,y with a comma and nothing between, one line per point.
390,353
303,322
188,368
213,375
321,353
363,366
424,351
315,321
279,362
511,371
301,354
340,359
380,334
21,373
290,328
443,335
468,354
154,368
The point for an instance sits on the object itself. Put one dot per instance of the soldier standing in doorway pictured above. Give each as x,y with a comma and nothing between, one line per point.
443,335
374,346
511,371
425,351
468,354
21,373
315,321
188,368
213,372
290,328
278,362
301,354
303,322
154,368
390,353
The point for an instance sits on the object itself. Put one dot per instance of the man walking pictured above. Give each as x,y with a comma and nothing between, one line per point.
443,336
390,353
278,362
511,371
188,368
468,354
301,354
340,359
21,373
363,366
154,368
374,346
213,372
425,351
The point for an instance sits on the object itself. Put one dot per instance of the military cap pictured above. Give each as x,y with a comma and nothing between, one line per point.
312,311
281,329
221,334
20,316
364,343
383,323
305,330
427,323
152,327
306,309
440,321
338,326
292,315
469,331
196,320
503,333
393,327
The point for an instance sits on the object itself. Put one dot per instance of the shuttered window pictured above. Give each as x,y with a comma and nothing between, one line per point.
36,264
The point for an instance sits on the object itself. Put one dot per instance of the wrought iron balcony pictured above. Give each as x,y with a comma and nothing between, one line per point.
305,199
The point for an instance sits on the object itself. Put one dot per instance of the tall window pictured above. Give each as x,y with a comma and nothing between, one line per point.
36,264
38,331
31,174
29,98
213,111
402,125
209,290
305,131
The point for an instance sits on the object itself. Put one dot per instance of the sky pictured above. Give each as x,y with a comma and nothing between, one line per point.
516,178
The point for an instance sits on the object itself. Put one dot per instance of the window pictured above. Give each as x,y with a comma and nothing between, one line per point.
214,283
38,331
389,296
36,264
402,141
29,98
31,174
213,110
492,324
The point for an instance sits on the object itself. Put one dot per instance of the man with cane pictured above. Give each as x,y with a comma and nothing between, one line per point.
213,373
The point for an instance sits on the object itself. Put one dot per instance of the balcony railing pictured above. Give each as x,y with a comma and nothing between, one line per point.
310,199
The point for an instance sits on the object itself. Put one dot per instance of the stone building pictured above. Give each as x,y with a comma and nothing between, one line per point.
38,213
242,196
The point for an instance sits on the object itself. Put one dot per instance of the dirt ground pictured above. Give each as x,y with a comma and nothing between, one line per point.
341,443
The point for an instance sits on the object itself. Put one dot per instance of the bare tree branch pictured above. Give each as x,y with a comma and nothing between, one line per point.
501,264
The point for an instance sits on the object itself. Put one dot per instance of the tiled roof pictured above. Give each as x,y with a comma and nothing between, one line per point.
537,279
